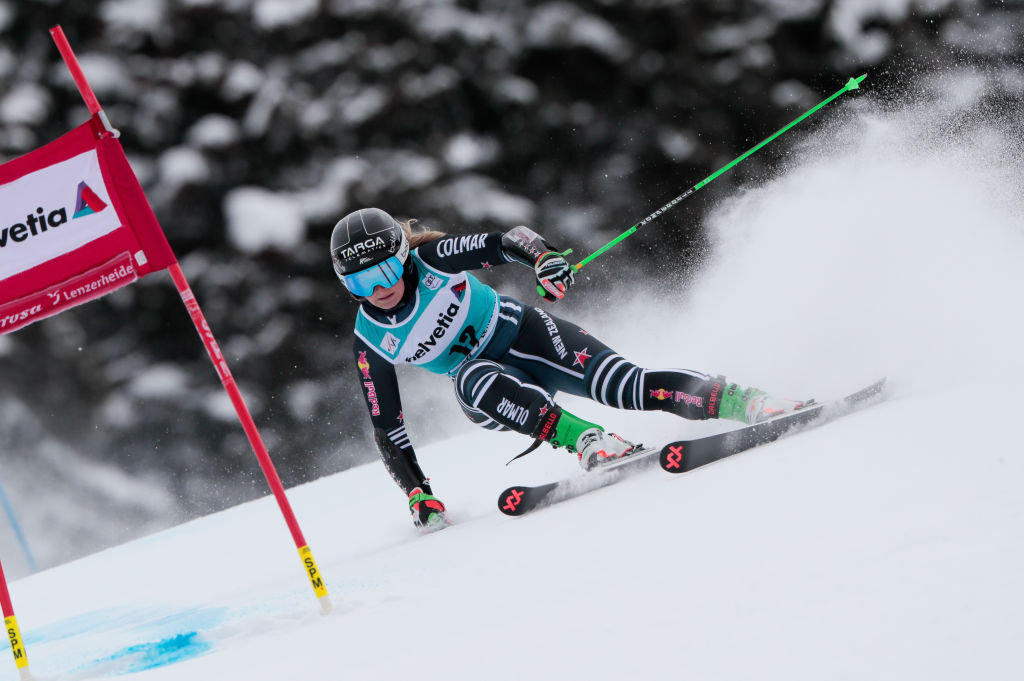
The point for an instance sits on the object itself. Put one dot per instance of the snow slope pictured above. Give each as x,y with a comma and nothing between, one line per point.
886,545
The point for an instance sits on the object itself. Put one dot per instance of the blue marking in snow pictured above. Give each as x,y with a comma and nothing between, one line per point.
145,656
129,640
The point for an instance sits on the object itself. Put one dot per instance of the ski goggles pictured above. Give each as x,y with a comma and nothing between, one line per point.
386,273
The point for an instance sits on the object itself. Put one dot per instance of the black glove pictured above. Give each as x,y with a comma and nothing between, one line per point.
554,275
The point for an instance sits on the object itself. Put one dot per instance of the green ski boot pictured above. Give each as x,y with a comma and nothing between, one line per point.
754,406
588,441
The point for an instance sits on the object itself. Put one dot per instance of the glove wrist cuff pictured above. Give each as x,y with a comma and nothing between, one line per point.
542,256
523,245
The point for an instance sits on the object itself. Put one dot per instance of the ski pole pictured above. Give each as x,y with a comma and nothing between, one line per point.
852,84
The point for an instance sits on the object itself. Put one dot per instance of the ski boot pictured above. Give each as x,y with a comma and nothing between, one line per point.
427,511
754,406
589,441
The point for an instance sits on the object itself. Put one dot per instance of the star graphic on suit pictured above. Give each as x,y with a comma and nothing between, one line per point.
581,357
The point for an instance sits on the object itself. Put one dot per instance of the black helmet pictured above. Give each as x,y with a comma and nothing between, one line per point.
369,249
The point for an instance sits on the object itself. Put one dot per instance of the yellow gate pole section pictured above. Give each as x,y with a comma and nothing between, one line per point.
13,632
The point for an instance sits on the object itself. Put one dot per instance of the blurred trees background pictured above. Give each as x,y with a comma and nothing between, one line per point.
255,124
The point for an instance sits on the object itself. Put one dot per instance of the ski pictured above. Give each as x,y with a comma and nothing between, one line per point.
685,455
521,499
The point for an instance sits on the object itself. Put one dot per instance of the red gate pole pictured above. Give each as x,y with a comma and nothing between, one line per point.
203,328
11,625
251,432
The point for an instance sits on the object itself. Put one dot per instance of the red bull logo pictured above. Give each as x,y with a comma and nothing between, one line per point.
371,397
693,400
678,396
363,365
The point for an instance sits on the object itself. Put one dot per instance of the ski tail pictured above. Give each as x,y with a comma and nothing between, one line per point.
521,499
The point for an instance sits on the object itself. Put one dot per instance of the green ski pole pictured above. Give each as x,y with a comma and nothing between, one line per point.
852,84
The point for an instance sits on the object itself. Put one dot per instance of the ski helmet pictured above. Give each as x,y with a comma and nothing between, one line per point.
369,249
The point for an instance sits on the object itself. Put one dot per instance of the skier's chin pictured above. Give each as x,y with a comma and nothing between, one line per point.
388,301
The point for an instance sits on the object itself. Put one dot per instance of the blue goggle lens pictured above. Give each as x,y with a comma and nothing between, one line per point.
386,273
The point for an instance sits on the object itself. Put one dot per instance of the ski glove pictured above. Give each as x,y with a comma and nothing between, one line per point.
427,510
554,275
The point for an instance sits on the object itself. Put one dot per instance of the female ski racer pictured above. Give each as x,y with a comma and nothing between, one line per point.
419,305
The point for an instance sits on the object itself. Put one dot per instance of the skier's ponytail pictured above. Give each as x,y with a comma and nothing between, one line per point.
420,237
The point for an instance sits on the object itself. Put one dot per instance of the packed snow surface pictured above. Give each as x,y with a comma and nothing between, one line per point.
885,545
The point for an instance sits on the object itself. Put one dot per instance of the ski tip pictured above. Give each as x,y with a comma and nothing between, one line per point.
877,387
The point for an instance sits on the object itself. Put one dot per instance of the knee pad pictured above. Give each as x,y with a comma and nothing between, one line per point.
470,381
473,378
494,399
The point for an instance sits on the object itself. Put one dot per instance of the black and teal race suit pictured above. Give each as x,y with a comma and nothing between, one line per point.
506,359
